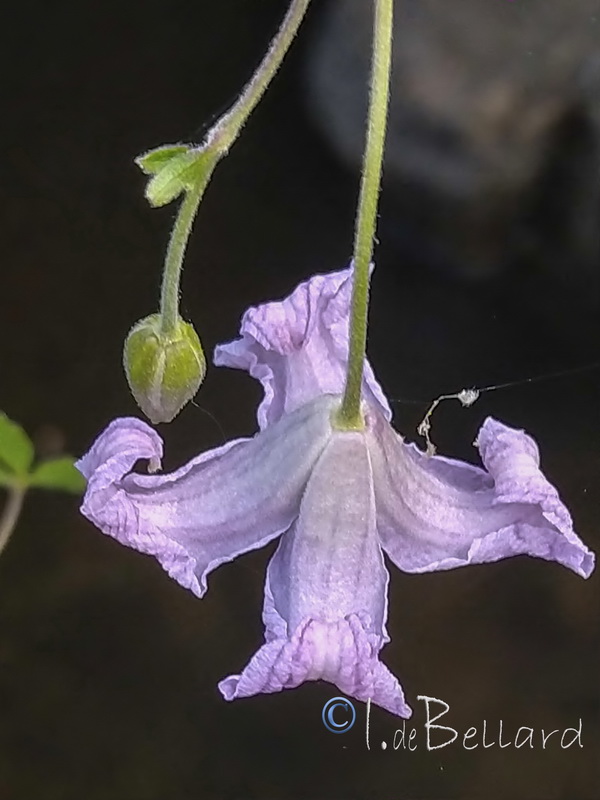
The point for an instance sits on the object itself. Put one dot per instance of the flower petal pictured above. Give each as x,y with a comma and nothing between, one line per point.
298,347
330,563
223,503
512,458
435,513
342,653
326,590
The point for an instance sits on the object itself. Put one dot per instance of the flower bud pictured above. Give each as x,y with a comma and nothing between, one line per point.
164,371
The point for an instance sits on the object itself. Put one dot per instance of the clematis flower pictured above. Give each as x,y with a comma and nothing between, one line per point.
338,499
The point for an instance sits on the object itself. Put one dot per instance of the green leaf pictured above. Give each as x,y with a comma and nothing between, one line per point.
58,473
154,160
16,449
180,173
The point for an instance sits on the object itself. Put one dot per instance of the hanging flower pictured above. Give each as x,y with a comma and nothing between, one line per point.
338,499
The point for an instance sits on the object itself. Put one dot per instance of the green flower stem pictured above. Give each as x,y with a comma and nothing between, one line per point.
10,515
349,416
169,297
221,137
227,129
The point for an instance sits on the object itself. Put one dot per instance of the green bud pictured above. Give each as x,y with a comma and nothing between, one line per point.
164,371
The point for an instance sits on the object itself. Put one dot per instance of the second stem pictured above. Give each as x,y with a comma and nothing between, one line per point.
224,133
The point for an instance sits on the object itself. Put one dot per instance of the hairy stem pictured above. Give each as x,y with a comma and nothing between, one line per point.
349,415
169,297
221,137
231,123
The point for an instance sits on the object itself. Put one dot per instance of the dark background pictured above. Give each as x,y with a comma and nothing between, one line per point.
108,669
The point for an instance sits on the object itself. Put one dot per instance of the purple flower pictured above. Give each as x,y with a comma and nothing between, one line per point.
340,499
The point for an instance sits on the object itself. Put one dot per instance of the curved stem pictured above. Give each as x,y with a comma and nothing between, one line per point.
169,297
229,126
221,137
10,515
349,415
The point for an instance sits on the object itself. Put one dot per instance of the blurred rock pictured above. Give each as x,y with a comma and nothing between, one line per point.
494,140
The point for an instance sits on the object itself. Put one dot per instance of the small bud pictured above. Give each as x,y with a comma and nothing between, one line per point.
164,372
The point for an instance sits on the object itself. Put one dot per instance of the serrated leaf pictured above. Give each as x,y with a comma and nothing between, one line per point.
154,160
16,449
179,174
59,474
